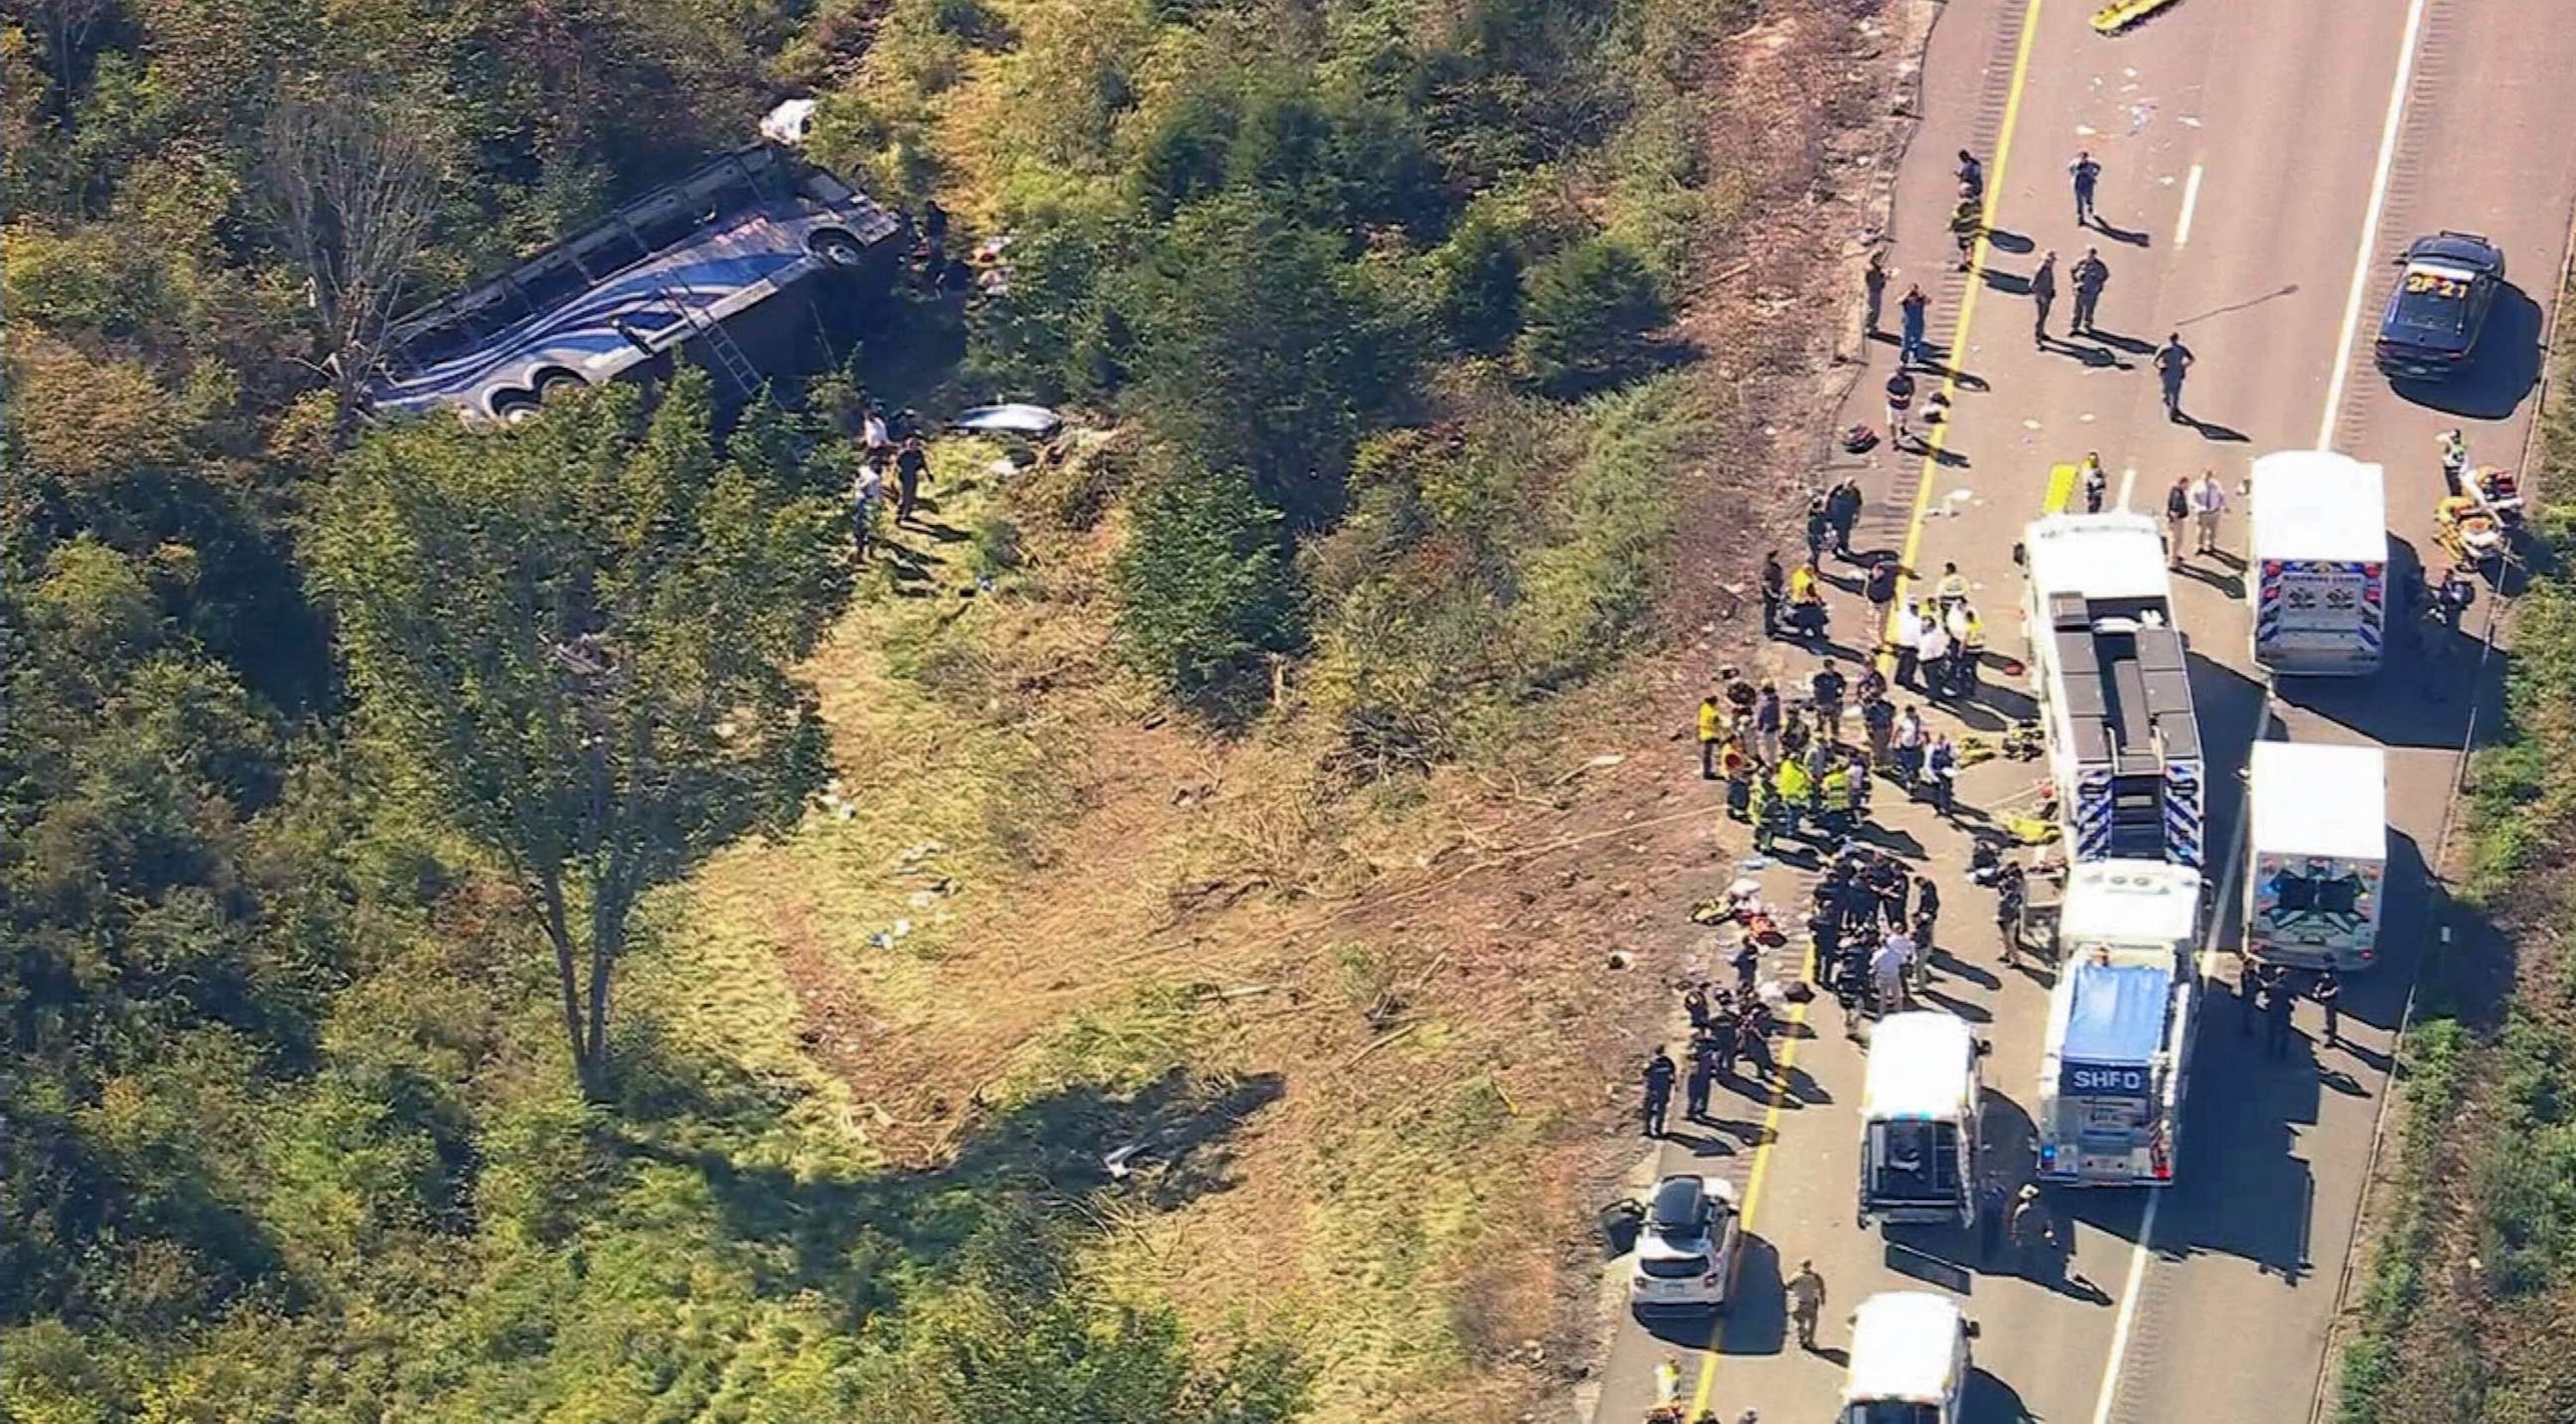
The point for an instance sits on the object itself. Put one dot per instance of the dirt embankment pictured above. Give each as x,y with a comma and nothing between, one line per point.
1347,1062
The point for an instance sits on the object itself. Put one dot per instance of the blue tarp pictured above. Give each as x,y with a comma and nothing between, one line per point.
2118,1016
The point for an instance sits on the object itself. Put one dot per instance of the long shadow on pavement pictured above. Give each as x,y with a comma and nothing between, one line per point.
1759,1320
1988,1400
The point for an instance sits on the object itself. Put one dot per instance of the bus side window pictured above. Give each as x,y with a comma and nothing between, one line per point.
664,224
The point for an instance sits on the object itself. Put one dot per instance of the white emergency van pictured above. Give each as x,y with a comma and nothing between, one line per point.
2317,853
2114,1066
2318,580
1919,1120
1910,1360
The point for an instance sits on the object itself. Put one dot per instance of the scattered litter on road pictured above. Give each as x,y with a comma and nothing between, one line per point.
2030,425
2188,121
2085,131
2086,417
2141,114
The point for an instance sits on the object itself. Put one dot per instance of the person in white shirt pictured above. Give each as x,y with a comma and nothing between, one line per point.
1909,739
1934,645
2208,501
867,491
1887,972
1904,945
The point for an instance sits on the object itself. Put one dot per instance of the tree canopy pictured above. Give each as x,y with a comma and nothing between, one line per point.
578,637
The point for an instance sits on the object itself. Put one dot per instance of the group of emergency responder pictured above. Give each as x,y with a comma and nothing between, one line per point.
1728,1027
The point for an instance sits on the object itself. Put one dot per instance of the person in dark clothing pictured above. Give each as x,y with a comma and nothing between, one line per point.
1828,686
1703,1073
1748,964
1873,282
2086,173
2008,903
2278,1005
1913,312
2091,275
911,465
1927,912
1878,723
2043,295
1820,530
1900,408
2249,994
934,221
1657,1081
1775,587
1879,587
1695,1004
1842,511
1723,1025
1972,177
2453,598
2172,360
2328,992
1753,1040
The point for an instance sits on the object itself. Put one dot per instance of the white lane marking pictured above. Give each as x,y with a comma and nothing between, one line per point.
2128,484
2190,205
2208,968
2128,1311
2368,251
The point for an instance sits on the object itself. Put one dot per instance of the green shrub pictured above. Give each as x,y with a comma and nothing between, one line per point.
1203,588
997,546
1259,349
1594,583
1476,287
1588,318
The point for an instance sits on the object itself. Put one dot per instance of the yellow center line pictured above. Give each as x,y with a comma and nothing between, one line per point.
1933,446
1936,437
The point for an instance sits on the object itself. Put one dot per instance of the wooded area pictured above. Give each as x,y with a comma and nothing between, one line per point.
341,765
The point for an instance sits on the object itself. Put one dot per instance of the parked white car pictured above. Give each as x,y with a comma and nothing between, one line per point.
1687,1247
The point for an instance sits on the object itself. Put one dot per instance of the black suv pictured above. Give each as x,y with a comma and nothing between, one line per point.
2446,285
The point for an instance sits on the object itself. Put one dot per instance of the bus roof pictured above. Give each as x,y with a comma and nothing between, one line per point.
2101,556
2318,504
1905,1348
1919,1067
2321,799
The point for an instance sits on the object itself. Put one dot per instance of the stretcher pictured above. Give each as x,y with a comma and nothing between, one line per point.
2121,14
2061,489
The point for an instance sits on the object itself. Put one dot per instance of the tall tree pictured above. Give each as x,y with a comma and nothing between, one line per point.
1259,349
352,177
578,637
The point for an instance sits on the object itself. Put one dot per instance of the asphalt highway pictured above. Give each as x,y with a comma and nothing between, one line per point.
2262,166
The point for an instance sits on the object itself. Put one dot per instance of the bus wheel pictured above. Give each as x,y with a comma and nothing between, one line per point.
557,383
839,248
513,406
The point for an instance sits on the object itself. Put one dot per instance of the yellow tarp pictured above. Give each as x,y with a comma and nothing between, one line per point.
2061,489
2121,14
